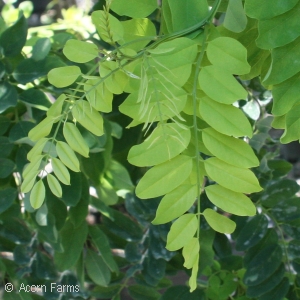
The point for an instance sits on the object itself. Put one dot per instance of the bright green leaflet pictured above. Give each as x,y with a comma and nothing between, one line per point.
67,156
37,195
181,232
64,76
175,203
231,150
234,178
268,9
227,53
190,252
226,119
165,142
60,171
218,222
292,125
41,130
235,18
134,8
79,51
54,185
220,85
230,201
165,177
280,30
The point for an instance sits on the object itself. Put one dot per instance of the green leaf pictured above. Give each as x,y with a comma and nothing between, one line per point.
275,33
7,166
165,142
60,171
63,76
230,201
182,231
7,198
54,185
185,14
37,149
88,117
41,49
75,139
56,108
292,121
97,269
108,27
72,193
41,130
278,292
193,279
142,292
98,95
67,156
165,177
235,18
190,253
252,233
72,241
13,38
135,29
218,222
284,65
263,265
175,203
285,95
229,54
220,85
234,178
102,243
8,96
80,51
134,8
37,195
118,176
231,150
268,9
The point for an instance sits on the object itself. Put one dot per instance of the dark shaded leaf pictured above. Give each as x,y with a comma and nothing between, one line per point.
7,166
263,265
278,292
252,233
140,292
19,132
8,96
7,198
35,98
71,194
181,292
13,38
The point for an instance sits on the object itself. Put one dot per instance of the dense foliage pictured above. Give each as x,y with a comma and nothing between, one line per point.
167,103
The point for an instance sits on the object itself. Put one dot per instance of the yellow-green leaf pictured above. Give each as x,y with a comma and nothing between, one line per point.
33,165
75,139
165,177
237,179
88,117
63,76
182,231
190,253
37,195
226,119
54,185
230,201
229,54
29,181
175,203
60,171
80,51
229,149
218,222
37,149
220,85
165,142
41,130
193,279
56,107
67,156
